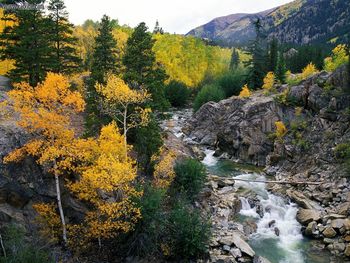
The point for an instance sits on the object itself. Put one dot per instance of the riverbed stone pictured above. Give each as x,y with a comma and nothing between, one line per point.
260,259
347,250
311,229
242,245
339,246
305,216
329,232
236,252
341,223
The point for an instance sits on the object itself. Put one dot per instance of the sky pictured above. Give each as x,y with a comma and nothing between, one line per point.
176,16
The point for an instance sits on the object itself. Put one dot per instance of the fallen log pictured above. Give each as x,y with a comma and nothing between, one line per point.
277,182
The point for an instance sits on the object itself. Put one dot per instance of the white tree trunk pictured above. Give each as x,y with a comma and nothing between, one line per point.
125,131
59,204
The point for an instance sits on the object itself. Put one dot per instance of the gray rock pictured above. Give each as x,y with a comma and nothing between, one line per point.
305,216
242,245
311,229
236,252
260,259
341,223
329,232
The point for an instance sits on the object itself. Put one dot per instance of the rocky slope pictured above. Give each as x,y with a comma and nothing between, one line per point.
301,22
316,115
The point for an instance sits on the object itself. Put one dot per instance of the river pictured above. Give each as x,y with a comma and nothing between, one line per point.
278,236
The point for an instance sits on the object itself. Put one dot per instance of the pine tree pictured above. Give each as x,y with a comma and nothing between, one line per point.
64,54
257,64
104,62
273,55
142,70
234,59
281,69
27,42
104,56
157,29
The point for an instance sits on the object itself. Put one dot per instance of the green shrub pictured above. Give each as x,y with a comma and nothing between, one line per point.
342,151
189,233
147,142
231,82
190,177
146,238
19,250
177,93
210,92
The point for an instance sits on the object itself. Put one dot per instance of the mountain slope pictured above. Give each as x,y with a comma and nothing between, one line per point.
301,22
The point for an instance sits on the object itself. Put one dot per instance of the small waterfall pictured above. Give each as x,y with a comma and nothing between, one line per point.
278,224
209,159
247,210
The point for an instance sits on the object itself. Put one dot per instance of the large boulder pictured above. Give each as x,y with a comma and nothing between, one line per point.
240,127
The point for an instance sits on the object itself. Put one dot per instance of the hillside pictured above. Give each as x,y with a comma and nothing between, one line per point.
300,22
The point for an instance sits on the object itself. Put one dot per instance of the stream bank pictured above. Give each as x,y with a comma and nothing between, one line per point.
249,223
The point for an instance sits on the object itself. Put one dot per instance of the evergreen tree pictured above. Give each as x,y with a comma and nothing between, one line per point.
348,53
105,52
148,140
141,67
273,55
104,62
27,43
234,59
157,29
257,64
65,58
281,69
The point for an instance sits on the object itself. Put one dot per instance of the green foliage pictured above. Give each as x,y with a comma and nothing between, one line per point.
65,59
190,177
104,62
147,237
257,68
231,82
148,141
19,250
177,93
29,46
234,59
305,55
105,52
210,92
141,68
189,233
273,55
281,69
342,153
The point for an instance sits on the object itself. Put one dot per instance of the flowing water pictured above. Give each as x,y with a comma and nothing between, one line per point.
279,215
289,246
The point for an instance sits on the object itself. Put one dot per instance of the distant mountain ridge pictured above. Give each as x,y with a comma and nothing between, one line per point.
299,22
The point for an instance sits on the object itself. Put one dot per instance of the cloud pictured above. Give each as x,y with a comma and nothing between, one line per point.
178,16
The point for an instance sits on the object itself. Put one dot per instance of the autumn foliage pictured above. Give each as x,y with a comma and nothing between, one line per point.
245,93
308,71
269,81
106,184
46,111
281,129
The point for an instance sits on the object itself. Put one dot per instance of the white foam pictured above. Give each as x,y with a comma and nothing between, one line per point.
209,159
278,211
